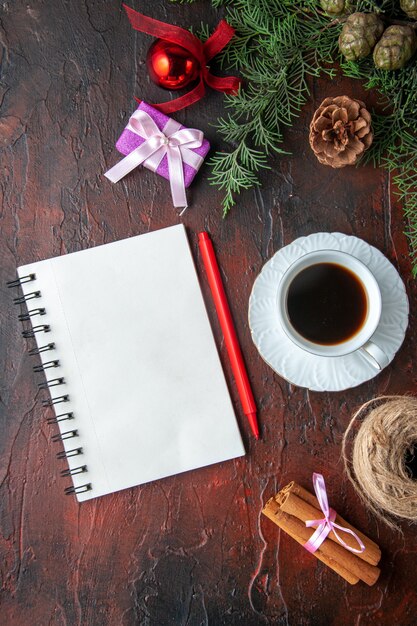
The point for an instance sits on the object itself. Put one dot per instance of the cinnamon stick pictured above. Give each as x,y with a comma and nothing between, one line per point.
293,505
372,552
294,528
338,558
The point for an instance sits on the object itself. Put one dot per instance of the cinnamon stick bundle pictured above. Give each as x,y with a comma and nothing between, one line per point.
293,506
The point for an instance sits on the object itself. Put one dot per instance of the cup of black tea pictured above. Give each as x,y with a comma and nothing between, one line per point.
329,304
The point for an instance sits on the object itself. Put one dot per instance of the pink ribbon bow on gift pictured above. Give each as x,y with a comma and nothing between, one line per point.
173,141
327,524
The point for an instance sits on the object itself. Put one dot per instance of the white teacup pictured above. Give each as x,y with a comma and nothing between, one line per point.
360,340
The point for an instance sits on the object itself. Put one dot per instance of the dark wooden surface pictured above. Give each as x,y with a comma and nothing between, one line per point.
192,549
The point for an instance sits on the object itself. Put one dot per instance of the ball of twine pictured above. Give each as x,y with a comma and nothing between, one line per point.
384,445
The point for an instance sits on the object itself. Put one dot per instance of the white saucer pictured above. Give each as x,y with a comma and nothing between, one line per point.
308,370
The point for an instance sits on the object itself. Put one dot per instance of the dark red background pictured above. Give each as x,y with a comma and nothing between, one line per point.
192,549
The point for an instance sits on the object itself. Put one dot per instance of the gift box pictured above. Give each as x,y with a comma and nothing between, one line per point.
129,141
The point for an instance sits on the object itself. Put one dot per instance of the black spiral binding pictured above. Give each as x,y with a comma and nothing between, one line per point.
54,382
25,298
21,280
69,434
23,317
80,489
60,418
74,470
57,400
48,384
67,454
36,351
45,366
40,328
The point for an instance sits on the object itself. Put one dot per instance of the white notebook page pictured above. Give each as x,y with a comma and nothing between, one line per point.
139,361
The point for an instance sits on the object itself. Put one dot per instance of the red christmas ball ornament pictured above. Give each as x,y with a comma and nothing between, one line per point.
171,66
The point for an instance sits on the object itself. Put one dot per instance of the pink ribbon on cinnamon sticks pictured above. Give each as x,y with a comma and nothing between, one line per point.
327,524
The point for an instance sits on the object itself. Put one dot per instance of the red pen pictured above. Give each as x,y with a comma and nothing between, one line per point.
229,333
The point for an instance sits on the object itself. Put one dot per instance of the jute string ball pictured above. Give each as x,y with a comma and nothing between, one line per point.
382,457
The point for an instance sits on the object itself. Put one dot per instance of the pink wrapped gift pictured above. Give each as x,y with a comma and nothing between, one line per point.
162,145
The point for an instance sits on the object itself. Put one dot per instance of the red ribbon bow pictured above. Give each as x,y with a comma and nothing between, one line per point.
202,52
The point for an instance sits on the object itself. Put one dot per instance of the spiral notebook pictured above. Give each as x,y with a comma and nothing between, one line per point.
132,370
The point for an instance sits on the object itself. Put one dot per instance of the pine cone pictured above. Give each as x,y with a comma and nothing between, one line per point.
333,7
359,35
410,8
396,46
340,131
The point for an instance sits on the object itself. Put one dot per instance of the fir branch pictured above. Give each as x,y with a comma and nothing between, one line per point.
278,45
235,171
401,159
203,31
385,130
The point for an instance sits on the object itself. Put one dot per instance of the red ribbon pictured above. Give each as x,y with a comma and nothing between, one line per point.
202,52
